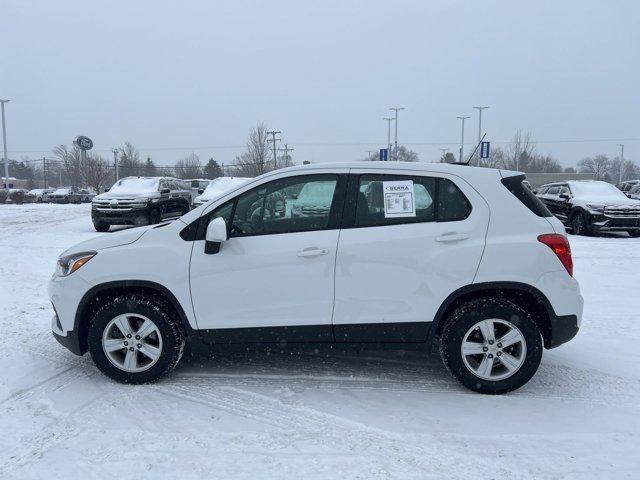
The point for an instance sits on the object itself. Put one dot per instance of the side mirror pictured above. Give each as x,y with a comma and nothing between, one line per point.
565,196
215,235
165,191
200,191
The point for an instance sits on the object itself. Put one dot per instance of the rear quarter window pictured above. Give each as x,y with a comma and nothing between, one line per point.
526,196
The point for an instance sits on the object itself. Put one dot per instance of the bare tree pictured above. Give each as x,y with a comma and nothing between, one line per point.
188,167
519,151
258,158
404,155
70,161
598,166
629,170
129,163
96,172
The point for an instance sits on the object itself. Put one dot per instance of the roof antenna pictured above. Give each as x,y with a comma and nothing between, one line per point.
474,150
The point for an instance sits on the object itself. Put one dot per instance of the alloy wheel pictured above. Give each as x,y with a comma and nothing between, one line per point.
132,342
493,349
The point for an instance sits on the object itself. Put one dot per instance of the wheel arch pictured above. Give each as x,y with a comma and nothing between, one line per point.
99,294
524,295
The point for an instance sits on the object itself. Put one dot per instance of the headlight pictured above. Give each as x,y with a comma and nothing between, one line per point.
596,207
70,263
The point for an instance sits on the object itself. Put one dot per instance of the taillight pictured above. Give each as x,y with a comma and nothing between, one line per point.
560,246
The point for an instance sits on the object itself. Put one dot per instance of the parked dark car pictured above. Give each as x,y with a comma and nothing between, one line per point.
140,201
71,195
626,187
589,207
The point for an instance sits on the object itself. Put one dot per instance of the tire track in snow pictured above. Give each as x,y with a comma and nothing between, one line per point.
303,425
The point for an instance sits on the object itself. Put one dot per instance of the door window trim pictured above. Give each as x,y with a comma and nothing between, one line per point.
353,187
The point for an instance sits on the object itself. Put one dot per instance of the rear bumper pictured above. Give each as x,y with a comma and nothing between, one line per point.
563,329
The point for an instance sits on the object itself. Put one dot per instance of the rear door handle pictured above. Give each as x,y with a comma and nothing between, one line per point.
452,237
313,252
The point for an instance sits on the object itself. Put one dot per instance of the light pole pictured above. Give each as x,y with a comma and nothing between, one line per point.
388,120
4,142
462,138
395,142
479,131
621,145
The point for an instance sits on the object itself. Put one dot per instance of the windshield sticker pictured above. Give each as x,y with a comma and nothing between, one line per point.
399,199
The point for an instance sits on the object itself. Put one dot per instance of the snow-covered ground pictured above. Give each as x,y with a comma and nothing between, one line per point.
343,416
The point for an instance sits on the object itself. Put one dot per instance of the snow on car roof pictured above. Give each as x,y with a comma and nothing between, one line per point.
136,185
221,185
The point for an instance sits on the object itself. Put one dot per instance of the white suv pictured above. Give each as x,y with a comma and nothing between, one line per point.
406,254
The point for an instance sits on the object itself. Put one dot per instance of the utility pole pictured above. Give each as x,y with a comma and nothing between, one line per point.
44,170
444,153
462,138
395,147
479,131
115,163
388,120
273,140
4,142
286,151
621,145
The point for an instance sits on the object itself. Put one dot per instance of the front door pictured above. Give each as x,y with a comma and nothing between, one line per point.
273,279
408,241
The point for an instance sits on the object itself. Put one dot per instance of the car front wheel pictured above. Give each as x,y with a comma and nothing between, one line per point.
491,346
135,339
580,224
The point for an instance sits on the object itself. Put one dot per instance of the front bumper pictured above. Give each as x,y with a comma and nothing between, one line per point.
612,224
68,339
65,294
133,216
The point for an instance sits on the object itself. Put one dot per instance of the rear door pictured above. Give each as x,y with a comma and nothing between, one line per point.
408,241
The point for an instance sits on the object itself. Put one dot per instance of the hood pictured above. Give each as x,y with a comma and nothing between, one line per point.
115,239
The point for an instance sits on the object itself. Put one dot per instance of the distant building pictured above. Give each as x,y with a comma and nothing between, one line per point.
16,183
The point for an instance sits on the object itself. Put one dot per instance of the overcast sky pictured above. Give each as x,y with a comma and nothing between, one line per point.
181,76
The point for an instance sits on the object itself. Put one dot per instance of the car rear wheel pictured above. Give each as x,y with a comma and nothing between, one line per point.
634,233
135,339
491,345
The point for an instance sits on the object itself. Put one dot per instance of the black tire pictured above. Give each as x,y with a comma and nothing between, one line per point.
154,217
580,224
101,227
464,318
173,338
634,233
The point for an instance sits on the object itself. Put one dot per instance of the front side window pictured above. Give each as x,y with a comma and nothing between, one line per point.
553,191
287,205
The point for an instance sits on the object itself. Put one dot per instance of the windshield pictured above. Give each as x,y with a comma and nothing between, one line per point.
135,186
596,189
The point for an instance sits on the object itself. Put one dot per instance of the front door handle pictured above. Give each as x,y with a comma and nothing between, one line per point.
313,252
452,237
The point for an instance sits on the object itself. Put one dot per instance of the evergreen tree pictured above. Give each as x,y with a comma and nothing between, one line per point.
212,169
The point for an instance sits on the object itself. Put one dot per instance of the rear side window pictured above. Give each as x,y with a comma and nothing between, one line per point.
434,200
526,196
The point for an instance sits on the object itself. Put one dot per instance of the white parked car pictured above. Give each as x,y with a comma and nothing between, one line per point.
478,266
217,187
41,194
